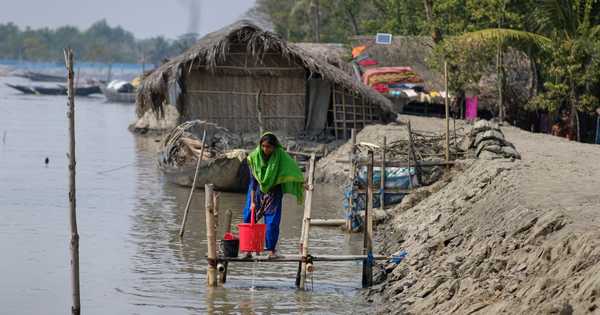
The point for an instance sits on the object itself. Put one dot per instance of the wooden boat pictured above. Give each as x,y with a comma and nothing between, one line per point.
58,90
21,88
87,90
41,77
43,90
117,97
222,165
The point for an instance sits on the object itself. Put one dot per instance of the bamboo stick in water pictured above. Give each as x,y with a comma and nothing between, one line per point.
189,201
76,303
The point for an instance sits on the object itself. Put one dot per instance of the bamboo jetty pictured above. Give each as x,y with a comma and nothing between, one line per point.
218,265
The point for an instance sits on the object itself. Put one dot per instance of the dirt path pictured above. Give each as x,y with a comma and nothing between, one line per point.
501,236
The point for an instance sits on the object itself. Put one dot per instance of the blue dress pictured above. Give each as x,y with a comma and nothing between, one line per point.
268,205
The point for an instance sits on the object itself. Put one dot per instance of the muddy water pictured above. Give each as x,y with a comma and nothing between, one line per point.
132,261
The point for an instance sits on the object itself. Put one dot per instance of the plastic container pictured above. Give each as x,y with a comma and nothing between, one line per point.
231,248
252,236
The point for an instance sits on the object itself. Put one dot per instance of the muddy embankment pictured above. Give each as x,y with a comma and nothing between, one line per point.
493,235
499,236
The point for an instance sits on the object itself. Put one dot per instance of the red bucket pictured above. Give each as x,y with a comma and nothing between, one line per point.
252,236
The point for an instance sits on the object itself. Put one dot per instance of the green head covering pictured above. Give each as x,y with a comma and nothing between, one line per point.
279,169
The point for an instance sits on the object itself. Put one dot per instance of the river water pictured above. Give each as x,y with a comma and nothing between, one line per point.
132,261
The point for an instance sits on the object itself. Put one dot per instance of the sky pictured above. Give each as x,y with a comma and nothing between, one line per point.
144,18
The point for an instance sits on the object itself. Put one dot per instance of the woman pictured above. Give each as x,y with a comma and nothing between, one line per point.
272,173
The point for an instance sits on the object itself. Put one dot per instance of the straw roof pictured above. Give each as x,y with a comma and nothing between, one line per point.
166,83
334,53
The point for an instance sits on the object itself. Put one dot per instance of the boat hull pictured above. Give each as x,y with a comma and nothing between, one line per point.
228,172
118,97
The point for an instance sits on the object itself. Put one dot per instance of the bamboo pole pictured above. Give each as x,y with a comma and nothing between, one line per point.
335,131
211,273
351,158
223,274
261,127
306,223
189,201
382,177
298,258
328,222
74,244
447,112
345,116
367,274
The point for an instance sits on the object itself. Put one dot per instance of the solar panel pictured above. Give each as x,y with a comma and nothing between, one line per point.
383,38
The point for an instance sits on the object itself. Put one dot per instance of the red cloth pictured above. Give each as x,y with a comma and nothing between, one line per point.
383,70
367,62
381,87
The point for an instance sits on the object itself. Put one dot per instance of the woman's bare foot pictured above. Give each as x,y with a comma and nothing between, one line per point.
273,254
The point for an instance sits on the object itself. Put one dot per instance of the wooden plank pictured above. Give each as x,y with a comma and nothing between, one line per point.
298,258
327,222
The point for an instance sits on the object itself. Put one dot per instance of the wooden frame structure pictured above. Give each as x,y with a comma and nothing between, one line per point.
219,265
351,111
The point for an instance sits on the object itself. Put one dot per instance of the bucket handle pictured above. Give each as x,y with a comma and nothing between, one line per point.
252,222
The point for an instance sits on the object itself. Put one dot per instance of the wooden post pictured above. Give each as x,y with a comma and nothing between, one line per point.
414,155
334,107
76,303
306,223
367,274
351,158
382,178
409,152
189,201
211,238
223,274
447,112
345,116
261,127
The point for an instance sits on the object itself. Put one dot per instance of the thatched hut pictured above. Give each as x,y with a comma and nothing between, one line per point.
233,74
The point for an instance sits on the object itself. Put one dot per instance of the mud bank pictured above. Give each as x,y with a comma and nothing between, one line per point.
499,236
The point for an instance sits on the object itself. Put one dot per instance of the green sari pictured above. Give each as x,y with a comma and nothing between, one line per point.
279,169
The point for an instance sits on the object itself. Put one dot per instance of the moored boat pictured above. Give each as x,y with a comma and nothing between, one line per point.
222,164
118,97
21,88
41,77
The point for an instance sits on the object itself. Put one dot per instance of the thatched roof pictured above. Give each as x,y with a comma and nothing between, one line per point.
165,83
334,53
411,51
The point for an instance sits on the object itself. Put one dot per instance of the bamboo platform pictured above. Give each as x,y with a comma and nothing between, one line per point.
298,258
218,265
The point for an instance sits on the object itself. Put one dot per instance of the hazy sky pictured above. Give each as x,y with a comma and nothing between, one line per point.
145,18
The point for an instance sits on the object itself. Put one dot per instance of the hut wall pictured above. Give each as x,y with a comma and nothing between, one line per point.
350,110
228,95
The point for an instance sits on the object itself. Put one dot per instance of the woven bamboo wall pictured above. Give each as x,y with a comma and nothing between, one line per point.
228,96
